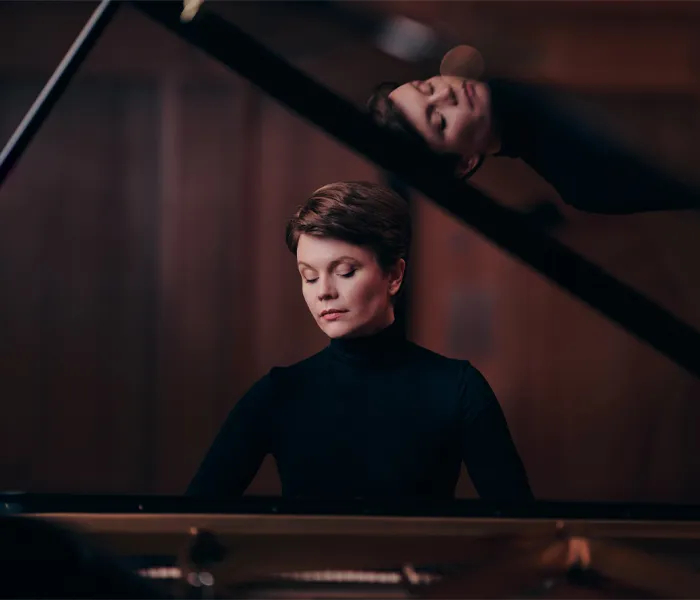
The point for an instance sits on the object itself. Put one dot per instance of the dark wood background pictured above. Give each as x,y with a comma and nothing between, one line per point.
145,283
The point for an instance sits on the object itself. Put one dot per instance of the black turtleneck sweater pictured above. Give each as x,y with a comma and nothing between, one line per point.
368,418
588,167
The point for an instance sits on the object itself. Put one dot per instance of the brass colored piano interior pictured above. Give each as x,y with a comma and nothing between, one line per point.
253,555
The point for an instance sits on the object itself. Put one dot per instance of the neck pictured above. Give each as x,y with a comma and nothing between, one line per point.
386,320
493,142
494,146
379,345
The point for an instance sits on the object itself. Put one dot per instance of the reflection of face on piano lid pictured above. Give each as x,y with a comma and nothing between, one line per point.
452,114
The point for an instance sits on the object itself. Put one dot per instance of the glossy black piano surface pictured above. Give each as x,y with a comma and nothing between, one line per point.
21,502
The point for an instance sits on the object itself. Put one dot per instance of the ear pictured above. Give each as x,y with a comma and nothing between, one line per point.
396,275
466,165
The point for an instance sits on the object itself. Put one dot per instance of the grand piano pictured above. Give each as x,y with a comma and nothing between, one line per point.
268,548
157,546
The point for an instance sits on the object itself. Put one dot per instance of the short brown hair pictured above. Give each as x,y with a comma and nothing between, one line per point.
360,213
385,113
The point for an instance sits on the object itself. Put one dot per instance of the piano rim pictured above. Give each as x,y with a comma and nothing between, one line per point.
322,525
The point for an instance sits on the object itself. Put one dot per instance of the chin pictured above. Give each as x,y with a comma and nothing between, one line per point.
336,330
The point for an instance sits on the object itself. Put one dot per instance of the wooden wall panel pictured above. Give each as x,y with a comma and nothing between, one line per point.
76,252
650,46
36,36
202,244
21,301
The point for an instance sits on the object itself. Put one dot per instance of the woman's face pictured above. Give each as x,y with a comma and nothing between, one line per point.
347,292
452,114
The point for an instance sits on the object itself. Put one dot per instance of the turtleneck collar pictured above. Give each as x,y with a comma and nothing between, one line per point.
371,348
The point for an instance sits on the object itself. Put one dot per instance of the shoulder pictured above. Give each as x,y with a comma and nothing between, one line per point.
508,94
281,378
470,383
280,375
433,360
286,380
296,371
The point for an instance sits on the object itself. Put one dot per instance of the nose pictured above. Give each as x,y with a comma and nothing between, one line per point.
443,94
326,289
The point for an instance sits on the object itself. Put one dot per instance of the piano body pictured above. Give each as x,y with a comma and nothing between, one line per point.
263,547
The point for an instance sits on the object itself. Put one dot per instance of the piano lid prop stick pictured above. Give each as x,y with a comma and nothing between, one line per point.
55,86
189,10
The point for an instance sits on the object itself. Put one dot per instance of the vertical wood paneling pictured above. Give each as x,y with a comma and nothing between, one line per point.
83,289
21,220
201,248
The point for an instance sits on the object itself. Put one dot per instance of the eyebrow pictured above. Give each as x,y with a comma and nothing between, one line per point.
332,264
429,108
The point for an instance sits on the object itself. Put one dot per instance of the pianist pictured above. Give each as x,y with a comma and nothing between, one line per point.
372,415
468,121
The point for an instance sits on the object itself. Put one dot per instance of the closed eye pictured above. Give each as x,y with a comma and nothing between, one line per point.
348,274
442,124
309,280
424,87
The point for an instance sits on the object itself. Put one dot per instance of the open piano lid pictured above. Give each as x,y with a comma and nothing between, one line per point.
426,172
511,230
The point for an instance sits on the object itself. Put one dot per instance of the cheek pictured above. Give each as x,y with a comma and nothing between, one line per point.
366,294
466,133
307,292
464,127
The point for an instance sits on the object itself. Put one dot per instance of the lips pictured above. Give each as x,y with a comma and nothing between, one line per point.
332,311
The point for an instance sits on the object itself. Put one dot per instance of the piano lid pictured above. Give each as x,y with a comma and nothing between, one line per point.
426,172
508,228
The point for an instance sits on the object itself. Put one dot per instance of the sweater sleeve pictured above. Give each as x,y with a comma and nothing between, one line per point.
239,448
488,450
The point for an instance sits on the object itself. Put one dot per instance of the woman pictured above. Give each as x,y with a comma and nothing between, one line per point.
372,415
471,120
